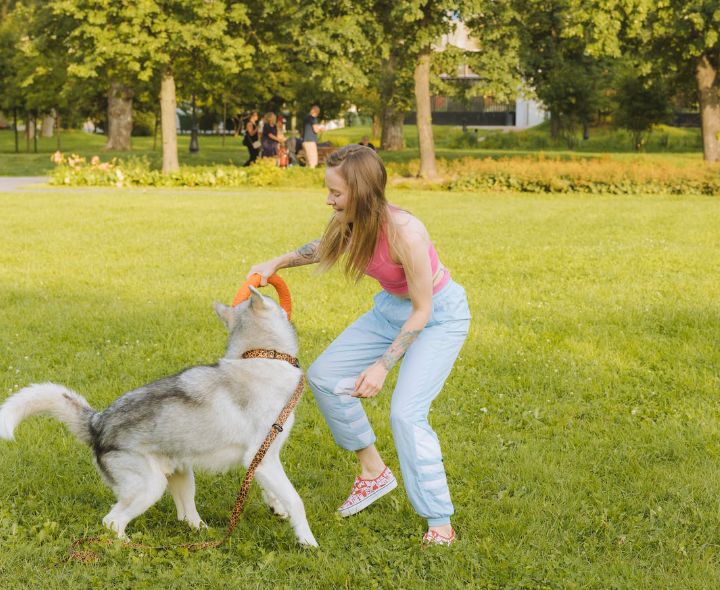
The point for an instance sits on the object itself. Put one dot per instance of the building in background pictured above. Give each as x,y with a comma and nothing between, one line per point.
482,111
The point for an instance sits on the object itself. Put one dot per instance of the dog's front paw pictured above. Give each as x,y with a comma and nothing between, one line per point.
307,539
275,506
196,523
279,511
115,525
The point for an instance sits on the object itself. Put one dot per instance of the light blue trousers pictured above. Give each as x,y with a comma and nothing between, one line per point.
423,371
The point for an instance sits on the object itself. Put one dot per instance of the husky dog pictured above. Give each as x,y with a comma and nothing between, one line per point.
210,417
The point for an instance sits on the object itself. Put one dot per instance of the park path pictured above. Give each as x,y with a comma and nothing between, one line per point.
12,183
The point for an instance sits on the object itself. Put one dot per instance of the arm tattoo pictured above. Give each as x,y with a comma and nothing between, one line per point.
306,254
398,348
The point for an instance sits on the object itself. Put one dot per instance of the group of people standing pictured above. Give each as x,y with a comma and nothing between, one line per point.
266,141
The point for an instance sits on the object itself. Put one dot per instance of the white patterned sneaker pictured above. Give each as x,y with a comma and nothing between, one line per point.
366,491
435,538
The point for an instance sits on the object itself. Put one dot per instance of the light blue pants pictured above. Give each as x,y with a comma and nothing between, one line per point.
423,371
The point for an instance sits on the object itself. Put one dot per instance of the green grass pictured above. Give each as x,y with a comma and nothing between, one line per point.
580,426
683,145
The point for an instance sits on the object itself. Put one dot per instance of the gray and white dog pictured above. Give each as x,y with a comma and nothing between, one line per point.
210,417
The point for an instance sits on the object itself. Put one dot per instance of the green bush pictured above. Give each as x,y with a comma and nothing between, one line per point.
537,175
74,170
591,175
468,139
143,124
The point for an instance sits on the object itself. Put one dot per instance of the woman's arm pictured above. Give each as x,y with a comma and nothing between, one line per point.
416,263
306,254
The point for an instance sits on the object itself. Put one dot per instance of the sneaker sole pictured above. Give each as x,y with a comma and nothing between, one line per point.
364,503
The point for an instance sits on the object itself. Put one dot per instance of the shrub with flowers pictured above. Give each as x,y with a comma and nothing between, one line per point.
74,170
601,175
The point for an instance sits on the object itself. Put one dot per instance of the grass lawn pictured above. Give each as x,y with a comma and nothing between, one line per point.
603,142
580,427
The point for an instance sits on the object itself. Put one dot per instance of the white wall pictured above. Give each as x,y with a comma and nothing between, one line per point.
528,113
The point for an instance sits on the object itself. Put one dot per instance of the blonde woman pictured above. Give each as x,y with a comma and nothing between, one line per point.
270,137
421,316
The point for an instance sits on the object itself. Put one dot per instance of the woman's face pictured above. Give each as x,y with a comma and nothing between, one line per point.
254,118
338,194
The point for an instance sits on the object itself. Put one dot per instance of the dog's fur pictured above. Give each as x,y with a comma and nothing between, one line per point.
210,417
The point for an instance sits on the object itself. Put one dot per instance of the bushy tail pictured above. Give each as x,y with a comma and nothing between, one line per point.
47,398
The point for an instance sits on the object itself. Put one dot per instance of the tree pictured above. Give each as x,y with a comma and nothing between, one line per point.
683,36
556,63
642,103
429,21
678,37
128,44
11,98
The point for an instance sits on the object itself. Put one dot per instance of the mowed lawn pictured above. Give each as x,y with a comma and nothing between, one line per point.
580,427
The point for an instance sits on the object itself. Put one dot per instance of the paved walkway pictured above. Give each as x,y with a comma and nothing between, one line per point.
11,183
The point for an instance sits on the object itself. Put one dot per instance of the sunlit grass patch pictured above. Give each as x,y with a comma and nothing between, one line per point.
579,427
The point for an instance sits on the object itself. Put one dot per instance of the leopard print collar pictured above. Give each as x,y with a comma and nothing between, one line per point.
264,353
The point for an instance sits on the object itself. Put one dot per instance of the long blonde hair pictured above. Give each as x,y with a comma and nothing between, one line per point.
364,174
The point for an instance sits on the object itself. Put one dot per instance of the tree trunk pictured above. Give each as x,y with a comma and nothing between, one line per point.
120,123
29,130
168,107
428,168
392,119
155,130
224,122
15,126
48,125
392,129
709,98
554,125
376,126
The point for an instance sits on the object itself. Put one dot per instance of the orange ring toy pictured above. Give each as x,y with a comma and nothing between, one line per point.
275,280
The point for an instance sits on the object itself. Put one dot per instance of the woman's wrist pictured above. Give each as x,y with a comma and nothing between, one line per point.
282,261
382,365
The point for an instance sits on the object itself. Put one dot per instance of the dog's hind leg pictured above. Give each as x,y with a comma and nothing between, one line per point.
139,484
181,485
271,477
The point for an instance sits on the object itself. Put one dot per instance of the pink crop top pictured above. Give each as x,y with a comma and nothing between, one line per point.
391,275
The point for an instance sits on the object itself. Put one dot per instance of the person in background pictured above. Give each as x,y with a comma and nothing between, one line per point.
251,139
293,145
311,128
366,142
271,138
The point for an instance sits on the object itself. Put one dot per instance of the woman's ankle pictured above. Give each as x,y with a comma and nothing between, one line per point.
445,530
371,464
372,472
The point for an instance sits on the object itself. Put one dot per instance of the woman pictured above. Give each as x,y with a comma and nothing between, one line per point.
251,139
420,314
270,137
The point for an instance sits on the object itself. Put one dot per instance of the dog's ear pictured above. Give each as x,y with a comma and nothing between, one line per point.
225,314
257,301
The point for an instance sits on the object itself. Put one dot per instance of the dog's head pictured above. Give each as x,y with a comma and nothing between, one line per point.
258,322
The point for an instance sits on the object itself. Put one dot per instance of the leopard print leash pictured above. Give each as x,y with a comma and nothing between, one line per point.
78,554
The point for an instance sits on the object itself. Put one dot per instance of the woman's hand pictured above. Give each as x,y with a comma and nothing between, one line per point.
370,381
265,270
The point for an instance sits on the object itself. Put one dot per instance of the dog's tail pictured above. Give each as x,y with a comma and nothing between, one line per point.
47,398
